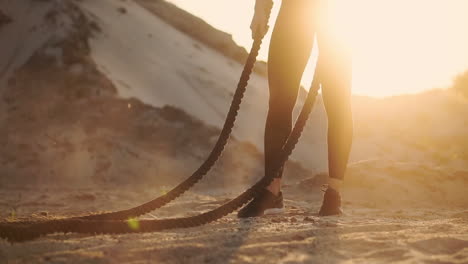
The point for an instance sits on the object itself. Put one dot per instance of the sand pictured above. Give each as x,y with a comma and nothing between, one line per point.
363,235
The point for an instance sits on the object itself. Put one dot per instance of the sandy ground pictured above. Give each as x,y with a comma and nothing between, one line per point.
400,213
363,235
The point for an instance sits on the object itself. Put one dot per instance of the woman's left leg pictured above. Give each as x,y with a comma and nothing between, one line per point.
290,48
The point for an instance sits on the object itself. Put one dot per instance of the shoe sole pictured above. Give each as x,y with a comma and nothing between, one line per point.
335,213
273,211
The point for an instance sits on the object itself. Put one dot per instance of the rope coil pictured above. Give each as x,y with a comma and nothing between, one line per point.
17,232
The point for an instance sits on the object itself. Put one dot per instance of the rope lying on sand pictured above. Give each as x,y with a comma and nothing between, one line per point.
21,231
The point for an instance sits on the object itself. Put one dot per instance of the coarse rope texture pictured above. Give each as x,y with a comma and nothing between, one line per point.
22,231
213,157
187,183
115,222
206,166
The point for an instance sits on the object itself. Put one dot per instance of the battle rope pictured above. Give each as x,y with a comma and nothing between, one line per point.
213,157
27,230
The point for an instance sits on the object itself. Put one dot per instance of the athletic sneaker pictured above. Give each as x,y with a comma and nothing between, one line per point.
331,203
264,204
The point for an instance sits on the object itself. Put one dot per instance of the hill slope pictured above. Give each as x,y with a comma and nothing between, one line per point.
64,122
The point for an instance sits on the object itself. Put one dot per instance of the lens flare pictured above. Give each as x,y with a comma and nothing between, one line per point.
133,224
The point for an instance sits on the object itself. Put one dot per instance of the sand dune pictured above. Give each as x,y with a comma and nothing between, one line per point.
76,129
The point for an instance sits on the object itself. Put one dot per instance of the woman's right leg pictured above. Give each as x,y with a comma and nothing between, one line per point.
290,49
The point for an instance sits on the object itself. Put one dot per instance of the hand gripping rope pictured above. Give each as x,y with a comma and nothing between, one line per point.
115,222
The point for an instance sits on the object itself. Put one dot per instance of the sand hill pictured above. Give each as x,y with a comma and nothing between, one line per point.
78,129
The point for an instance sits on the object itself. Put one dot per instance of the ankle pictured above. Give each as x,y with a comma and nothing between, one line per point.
335,184
275,187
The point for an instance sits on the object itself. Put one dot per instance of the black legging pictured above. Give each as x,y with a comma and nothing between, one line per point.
290,48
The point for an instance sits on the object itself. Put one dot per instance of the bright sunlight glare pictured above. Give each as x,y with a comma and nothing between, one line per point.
399,46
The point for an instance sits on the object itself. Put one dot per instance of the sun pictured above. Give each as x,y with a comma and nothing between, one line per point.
398,46
402,46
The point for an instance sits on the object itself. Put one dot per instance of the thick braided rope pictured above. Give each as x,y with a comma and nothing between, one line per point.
213,157
7,229
27,230
205,166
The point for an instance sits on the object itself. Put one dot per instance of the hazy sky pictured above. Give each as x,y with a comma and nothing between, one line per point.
399,46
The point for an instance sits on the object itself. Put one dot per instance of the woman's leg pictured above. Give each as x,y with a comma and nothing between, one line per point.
290,48
335,75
